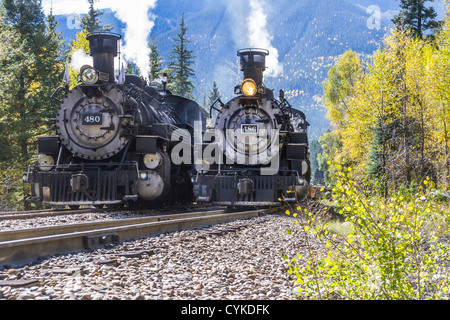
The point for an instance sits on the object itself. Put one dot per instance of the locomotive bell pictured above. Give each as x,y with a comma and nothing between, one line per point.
253,63
103,49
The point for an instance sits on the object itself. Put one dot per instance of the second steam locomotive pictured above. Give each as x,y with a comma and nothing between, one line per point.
113,139
258,151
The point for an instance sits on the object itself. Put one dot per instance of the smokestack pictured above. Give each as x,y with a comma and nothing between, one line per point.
253,63
103,49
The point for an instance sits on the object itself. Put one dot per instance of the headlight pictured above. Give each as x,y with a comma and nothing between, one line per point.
45,162
305,167
249,87
143,175
203,166
89,75
152,161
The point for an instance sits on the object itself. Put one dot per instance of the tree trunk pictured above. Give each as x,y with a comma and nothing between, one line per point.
406,144
447,176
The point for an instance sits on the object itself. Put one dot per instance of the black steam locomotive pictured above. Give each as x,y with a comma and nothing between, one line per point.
113,139
258,151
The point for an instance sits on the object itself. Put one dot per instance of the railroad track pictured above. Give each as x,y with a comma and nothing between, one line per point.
26,245
43,213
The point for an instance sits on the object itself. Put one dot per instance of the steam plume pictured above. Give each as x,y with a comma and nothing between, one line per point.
135,14
258,36
79,59
250,15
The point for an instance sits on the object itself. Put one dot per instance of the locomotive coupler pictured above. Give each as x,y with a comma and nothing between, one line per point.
79,183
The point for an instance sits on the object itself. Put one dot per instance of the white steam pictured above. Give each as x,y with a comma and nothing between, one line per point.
135,14
250,30
79,59
258,36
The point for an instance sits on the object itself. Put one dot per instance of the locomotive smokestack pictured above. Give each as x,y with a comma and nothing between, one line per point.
103,49
253,63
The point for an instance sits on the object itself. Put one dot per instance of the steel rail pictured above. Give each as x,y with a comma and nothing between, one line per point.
44,213
92,225
19,247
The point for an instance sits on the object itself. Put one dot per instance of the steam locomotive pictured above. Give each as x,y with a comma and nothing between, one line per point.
113,139
257,151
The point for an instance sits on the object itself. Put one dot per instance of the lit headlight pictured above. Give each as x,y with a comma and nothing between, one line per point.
89,75
152,161
249,87
45,162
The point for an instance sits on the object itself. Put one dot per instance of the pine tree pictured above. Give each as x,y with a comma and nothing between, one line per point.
317,174
182,61
40,71
29,71
156,64
214,94
132,68
205,104
91,21
415,15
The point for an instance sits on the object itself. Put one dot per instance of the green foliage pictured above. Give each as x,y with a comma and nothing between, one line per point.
29,72
132,68
181,63
391,112
11,189
415,15
156,64
393,248
331,151
92,22
340,85
317,176
213,96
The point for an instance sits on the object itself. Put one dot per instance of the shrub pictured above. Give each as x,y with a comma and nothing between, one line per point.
392,248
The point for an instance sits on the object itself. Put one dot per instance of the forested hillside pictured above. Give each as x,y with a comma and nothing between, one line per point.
390,113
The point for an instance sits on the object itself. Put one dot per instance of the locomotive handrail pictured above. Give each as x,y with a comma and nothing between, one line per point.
212,106
221,171
57,91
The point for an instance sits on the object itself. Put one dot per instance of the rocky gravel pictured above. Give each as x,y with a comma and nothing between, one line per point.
236,260
38,222
74,218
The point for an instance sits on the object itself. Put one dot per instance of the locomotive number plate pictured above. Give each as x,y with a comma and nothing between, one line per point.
249,129
91,119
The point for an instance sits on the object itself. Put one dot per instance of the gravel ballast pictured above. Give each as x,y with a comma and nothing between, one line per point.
237,260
